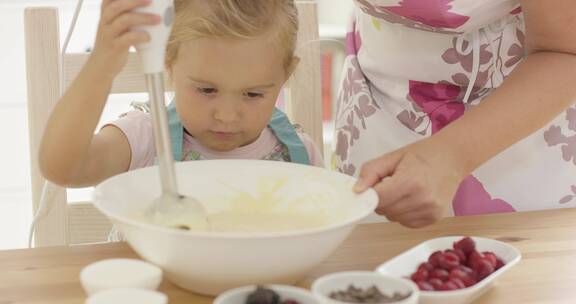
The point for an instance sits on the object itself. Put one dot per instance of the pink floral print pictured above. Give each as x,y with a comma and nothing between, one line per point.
435,13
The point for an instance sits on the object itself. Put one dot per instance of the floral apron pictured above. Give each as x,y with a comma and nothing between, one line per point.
414,66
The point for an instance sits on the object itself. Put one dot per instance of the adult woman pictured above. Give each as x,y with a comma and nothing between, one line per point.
460,105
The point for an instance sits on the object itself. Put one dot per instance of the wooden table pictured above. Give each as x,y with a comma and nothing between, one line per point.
546,274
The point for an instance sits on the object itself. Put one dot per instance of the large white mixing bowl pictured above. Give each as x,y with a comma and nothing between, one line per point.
209,262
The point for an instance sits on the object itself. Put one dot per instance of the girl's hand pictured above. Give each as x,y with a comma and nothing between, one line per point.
115,34
415,184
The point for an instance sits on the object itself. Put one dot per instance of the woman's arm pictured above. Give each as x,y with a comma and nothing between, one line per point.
416,183
539,88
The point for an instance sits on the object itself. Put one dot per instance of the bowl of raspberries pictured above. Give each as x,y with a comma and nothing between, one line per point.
455,269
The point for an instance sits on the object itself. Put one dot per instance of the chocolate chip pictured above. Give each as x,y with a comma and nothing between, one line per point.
370,295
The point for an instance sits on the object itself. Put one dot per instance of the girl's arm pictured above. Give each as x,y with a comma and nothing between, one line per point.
70,154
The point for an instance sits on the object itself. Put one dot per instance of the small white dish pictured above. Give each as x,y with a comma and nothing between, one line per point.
324,286
120,273
127,295
286,292
407,262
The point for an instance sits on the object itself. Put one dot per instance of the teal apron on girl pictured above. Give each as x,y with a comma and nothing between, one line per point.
279,124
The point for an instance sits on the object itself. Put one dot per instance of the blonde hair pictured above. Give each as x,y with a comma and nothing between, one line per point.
236,19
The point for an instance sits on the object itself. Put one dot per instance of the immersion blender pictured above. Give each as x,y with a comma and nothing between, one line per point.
170,209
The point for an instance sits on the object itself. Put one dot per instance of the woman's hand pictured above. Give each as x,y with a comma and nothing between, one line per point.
415,184
115,35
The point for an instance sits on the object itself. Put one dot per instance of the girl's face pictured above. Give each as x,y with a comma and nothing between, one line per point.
226,89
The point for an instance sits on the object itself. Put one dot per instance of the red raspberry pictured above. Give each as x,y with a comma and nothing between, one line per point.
466,278
436,283
469,271
491,257
449,286
473,257
457,282
461,255
420,275
483,268
440,273
423,285
429,267
466,244
433,259
499,263
448,260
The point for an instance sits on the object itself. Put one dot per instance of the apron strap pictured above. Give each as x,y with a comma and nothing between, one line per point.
279,124
286,134
176,132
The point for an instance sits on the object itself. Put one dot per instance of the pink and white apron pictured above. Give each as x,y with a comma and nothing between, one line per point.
413,66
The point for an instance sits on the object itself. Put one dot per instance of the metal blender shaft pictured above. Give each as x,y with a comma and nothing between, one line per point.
155,84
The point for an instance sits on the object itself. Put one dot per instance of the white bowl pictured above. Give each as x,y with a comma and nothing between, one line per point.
240,294
128,295
120,273
210,263
407,262
388,285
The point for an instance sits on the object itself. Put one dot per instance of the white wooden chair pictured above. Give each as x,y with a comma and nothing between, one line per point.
79,222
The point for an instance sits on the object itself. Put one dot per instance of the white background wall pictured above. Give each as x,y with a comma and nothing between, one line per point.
334,12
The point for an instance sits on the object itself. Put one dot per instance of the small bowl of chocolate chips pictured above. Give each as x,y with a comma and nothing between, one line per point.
364,287
267,294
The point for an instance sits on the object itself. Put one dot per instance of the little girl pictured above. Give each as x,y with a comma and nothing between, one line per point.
227,60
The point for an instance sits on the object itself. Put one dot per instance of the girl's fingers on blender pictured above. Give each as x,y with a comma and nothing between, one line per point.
114,8
128,21
133,38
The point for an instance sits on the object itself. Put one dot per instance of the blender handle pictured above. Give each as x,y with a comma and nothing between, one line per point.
153,55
